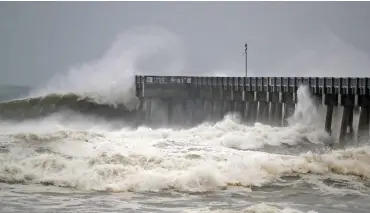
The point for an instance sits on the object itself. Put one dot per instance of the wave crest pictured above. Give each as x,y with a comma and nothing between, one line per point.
43,106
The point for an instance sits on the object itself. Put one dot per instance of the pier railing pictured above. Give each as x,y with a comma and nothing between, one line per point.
326,85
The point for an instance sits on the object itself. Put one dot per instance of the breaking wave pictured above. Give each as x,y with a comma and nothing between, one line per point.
36,107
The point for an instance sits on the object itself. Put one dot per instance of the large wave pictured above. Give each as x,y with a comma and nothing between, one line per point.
105,86
27,108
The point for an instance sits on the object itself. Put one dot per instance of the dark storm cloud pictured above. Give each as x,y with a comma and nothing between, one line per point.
39,39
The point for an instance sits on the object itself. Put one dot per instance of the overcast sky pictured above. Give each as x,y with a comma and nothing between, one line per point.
40,39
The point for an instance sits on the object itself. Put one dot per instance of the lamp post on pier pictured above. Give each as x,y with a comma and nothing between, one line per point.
246,59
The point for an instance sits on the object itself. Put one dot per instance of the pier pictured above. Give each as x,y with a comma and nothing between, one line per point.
190,100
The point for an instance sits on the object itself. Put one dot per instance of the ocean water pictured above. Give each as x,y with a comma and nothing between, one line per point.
68,161
84,164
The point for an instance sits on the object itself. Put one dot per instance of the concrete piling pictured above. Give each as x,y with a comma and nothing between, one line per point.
148,111
346,127
288,110
140,115
263,112
184,112
241,110
329,118
276,113
252,112
170,106
364,125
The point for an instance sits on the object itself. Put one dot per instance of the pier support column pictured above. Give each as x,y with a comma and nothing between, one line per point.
148,110
346,128
221,108
205,111
232,106
329,118
276,114
170,104
218,112
235,106
252,112
241,110
194,107
263,112
288,111
279,114
227,107
140,114
272,113
201,116
210,109
184,112
364,125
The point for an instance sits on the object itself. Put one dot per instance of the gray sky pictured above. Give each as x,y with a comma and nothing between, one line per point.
39,39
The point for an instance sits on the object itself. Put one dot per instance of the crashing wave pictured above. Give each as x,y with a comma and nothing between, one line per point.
35,107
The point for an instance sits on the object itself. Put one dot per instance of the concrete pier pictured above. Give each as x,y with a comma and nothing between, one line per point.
141,112
364,125
269,100
252,112
288,110
263,112
346,127
276,113
170,106
241,109
329,118
148,110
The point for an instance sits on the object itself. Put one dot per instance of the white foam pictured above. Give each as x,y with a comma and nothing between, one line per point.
198,159
257,208
89,154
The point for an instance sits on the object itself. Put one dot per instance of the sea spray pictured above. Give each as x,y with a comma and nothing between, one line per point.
110,79
309,116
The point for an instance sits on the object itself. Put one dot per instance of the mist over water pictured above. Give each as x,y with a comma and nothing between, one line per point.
89,154
110,79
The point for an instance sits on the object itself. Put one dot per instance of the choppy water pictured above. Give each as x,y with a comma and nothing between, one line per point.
269,199
53,165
